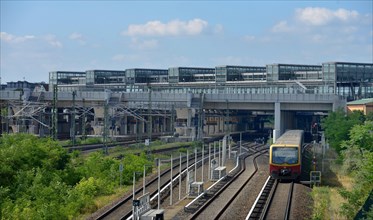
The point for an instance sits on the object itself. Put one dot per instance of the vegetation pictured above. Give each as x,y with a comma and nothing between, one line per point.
352,137
90,140
139,148
322,196
337,126
40,180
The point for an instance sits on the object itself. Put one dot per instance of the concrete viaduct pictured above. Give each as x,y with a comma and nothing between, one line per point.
126,106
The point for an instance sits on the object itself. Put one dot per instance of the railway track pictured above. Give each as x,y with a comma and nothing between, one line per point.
200,212
126,203
123,208
87,147
269,202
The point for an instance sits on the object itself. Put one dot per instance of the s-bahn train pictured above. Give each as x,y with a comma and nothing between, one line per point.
285,155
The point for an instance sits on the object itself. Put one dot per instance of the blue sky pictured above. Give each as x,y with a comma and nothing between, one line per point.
42,36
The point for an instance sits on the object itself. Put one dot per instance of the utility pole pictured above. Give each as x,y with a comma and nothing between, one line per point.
200,120
84,121
73,120
227,131
150,118
106,123
172,118
54,113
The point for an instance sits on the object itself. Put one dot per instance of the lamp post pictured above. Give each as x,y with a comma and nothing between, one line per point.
133,193
171,180
180,178
187,172
209,167
159,183
195,164
143,187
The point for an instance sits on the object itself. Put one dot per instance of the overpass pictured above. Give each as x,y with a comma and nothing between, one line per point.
125,113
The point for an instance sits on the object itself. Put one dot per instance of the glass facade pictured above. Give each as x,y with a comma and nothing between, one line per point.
146,75
190,74
66,78
105,77
239,73
352,80
277,72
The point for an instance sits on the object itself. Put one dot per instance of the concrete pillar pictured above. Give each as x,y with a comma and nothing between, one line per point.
142,127
164,124
135,128
208,129
220,124
277,131
189,119
155,125
124,125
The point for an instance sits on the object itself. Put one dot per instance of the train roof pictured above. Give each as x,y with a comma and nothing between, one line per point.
291,137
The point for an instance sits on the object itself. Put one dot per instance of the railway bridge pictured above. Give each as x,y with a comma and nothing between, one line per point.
190,115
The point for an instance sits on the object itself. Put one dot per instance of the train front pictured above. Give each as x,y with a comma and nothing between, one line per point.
284,162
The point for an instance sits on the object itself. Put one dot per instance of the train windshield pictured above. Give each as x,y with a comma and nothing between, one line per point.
281,155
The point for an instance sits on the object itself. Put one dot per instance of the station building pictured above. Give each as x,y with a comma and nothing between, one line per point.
225,74
190,74
351,80
67,79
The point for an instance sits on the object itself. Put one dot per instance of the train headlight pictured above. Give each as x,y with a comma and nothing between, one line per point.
285,172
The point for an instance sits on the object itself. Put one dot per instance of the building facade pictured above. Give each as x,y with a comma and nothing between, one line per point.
350,80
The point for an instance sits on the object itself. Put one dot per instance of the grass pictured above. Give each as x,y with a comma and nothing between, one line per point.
104,200
327,200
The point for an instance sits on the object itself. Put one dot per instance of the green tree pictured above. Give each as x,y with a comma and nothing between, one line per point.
358,163
41,180
337,126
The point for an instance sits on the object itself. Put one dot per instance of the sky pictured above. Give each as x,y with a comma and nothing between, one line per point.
38,37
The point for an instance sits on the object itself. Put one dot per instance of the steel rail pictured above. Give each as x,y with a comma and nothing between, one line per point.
263,200
241,188
209,201
288,204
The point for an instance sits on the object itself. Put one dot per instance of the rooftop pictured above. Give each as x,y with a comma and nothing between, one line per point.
361,102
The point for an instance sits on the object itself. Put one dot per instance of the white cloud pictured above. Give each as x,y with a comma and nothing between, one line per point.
249,38
15,39
52,40
77,37
172,28
322,16
282,26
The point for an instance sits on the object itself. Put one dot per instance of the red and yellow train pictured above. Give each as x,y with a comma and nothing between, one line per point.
285,155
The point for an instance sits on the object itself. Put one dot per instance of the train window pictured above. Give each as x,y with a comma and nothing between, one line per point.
281,155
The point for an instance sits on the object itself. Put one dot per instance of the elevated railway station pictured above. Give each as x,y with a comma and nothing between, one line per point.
187,102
